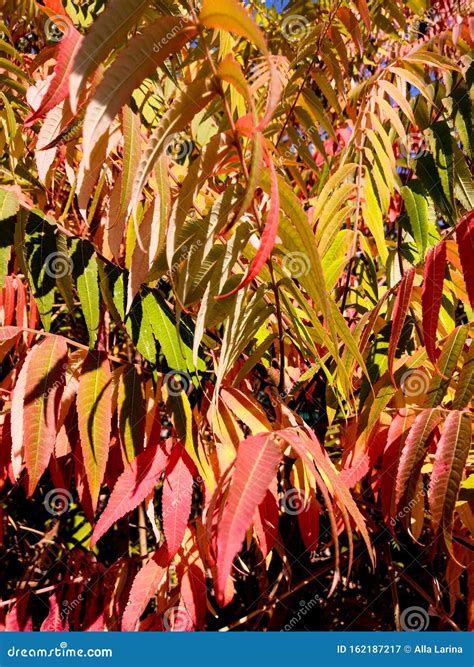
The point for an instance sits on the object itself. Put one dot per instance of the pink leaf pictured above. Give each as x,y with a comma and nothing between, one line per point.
19,617
413,455
56,621
59,86
396,437
255,467
134,484
359,467
177,498
143,587
448,468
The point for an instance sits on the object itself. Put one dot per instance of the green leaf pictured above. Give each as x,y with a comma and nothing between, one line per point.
41,254
139,327
440,141
175,342
373,219
131,412
416,205
86,274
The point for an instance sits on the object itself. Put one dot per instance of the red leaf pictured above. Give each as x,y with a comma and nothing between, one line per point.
413,455
134,484
194,593
433,279
364,12
450,459
397,434
54,5
255,467
56,621
400,310
177,498
266,522
143,587
465,241
59,86
268,237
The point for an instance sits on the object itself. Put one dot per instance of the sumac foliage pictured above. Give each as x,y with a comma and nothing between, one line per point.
236,292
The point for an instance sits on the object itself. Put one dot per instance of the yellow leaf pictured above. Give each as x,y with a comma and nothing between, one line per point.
231,16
